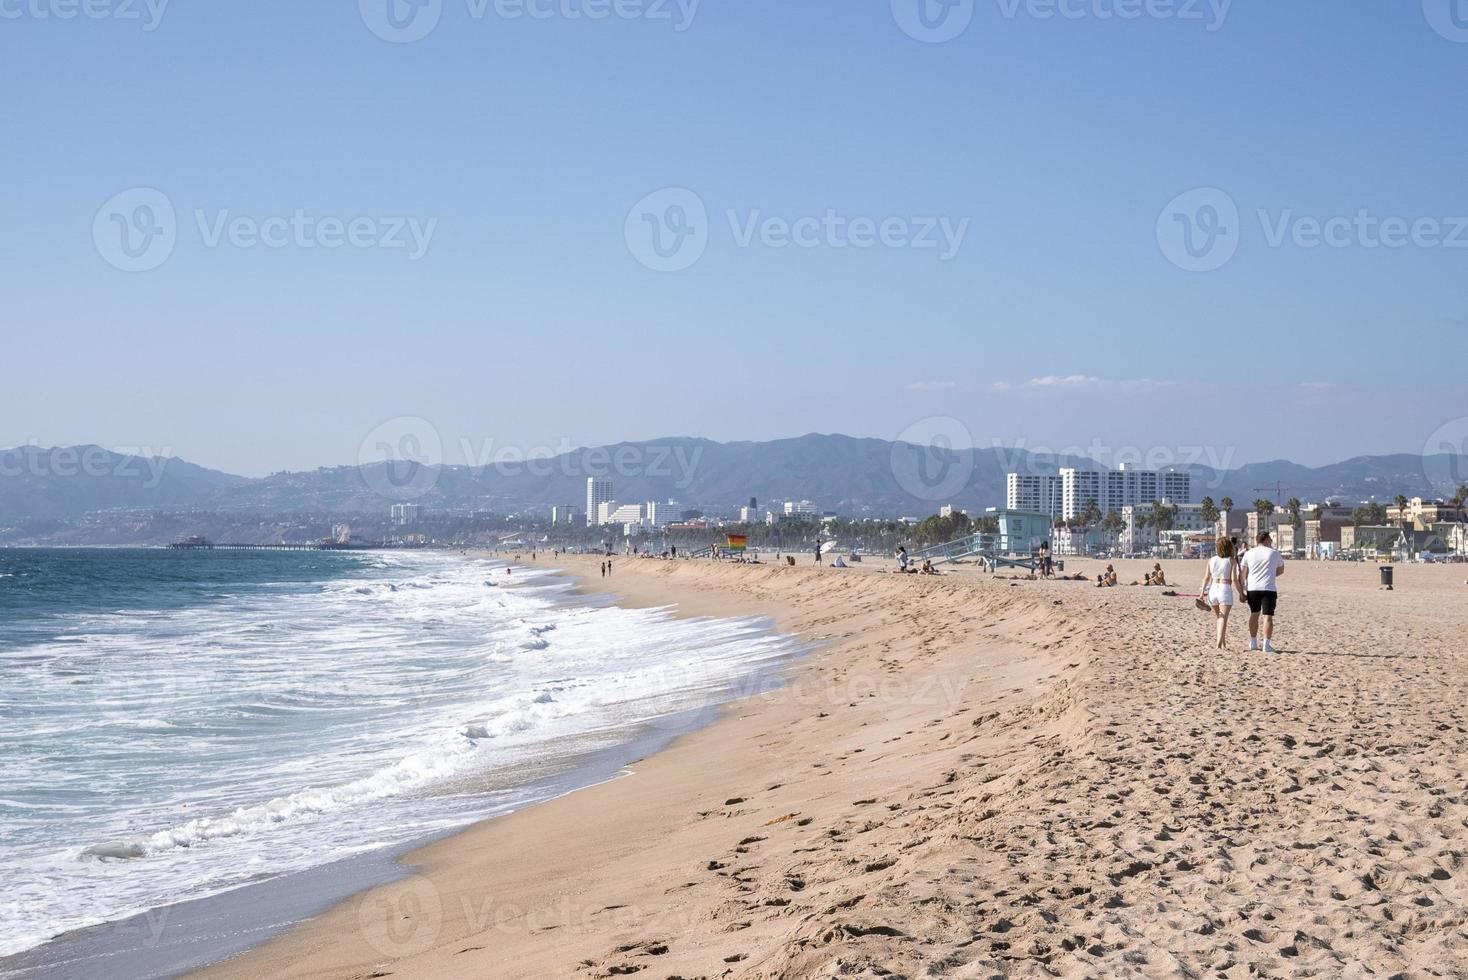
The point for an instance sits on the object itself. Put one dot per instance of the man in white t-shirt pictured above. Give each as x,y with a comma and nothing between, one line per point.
1262,565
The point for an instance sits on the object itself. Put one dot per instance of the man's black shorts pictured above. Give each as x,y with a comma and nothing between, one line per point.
1263,602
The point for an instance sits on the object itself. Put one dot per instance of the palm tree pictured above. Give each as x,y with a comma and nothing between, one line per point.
1294,505
1461,497
1401,502
1263,508
1227,503
1208,511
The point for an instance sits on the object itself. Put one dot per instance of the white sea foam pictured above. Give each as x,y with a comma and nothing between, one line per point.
269,733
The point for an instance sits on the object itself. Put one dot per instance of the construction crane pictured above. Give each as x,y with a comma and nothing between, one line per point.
1279,490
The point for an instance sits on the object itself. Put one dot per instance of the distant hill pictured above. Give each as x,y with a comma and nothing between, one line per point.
82,494
77,480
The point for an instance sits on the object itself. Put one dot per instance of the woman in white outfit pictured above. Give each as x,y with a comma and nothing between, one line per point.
1221,583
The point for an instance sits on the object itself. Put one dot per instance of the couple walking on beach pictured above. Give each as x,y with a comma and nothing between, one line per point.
1254,574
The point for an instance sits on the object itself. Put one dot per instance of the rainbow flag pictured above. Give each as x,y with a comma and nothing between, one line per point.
737,542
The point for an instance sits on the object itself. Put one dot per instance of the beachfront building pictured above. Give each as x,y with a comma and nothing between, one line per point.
800,510
1378,538
1423,514
1074,541
1323,526
404,515
1120,488
1035,493
598,492
564,514
1143,534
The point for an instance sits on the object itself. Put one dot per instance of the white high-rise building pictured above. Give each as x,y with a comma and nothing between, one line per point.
625,514
598,492
801,508
1035,493
1120,488
661,514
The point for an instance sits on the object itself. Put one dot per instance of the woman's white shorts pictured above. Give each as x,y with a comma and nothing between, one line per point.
1220,595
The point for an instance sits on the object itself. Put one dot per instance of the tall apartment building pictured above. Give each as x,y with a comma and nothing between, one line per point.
564,514
662,514
1120,488
404,515
598,492
1034,493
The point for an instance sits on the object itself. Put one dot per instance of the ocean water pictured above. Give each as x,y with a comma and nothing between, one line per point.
178,724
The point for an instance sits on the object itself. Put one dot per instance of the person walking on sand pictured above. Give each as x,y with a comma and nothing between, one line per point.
1262,566
1220,585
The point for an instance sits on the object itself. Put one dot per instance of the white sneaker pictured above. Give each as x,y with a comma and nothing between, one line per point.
1253,643
1269,647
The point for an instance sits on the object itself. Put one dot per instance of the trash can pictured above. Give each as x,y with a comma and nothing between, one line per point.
1386,577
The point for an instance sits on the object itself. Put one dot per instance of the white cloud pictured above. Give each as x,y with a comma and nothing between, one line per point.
932,386
1317,385
1063,381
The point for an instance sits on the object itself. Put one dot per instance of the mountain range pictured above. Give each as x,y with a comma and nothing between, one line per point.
46,493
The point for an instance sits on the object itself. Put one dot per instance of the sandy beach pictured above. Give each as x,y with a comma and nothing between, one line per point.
977,777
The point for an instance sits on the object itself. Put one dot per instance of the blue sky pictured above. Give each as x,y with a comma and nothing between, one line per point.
530,152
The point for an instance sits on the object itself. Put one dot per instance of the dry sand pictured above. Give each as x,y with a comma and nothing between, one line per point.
979,778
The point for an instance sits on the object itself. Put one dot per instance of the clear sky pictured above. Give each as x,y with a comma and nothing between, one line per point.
1005,227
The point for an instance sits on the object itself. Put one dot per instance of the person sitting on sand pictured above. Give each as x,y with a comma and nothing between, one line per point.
927,568
1107,579
1221,583
1158,578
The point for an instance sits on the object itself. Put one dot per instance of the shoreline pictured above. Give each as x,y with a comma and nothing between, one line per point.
557,895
